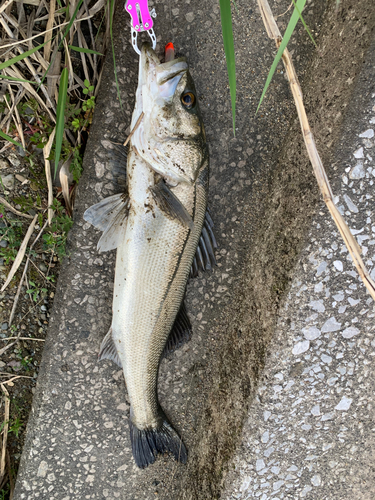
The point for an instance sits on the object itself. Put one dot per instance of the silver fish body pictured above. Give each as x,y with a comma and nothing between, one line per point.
167,174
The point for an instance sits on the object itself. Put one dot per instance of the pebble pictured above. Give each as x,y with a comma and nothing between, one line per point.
331,325
350,332
3,244
4,326
43,268
359,153
301,347
368,134
43,308
344,404
8,181
14,160
3,164
353,208
358,172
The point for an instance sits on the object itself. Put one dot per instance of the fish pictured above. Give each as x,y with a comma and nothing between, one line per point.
163,234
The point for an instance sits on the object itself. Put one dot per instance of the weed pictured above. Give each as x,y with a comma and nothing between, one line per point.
4,493
55,239
11,235
15,426
35,291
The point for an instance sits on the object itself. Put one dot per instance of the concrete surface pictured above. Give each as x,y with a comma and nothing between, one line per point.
262,196
310,432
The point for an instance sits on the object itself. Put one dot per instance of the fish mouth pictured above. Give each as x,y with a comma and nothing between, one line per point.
160,78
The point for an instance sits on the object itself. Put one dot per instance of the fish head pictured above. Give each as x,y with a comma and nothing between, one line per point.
171,136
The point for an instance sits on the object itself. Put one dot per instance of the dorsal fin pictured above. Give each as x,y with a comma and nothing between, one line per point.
205,255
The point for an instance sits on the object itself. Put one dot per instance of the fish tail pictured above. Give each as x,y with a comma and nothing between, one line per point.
148,443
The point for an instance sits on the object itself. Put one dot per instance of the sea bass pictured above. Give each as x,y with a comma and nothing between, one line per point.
162,233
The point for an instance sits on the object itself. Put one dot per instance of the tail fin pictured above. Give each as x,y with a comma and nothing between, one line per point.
147,443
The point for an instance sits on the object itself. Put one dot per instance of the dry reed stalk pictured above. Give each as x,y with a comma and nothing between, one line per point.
134,129
5,5
48,36
46,152
20,254
15,302
4,202
320,174
5,431
16,118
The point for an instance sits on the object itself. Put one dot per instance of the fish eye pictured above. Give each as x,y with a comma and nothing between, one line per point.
188,100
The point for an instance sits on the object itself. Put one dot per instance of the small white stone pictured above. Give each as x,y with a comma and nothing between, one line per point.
317,305
326,359
277,485
259,465
350,332
331,325
305,491
338,265
368,134
265,437
316,480
42,469
190,17
315,410
352,207
319,287
353,302
321,268
358,172
311,333
359,153
344,404
266,415
301,347
328,416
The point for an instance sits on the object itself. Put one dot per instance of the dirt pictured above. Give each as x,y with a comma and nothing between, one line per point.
277,231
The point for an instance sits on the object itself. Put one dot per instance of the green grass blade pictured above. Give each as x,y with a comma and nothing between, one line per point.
15,60
86,51
7,138
60,115
227,30
111,10
305,25
13,79
288,33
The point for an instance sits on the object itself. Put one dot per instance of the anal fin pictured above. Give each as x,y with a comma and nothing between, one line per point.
180,332
108,349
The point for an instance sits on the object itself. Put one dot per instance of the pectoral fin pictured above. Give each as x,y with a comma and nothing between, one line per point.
170,205
109,215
